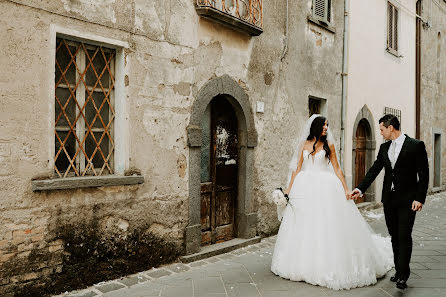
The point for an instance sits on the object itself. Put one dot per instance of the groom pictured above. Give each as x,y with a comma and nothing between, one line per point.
406,179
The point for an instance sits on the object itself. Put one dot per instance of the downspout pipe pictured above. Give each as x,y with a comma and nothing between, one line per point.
344,76
285,49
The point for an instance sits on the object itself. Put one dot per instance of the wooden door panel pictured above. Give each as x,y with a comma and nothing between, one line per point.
224,208
224,233
205,211
360,156
360,166
206,193
219,195
206,237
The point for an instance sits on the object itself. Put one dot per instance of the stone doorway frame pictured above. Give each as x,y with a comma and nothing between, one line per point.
365,114
245,217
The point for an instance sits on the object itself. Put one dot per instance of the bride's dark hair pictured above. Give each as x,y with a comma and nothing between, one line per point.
315,132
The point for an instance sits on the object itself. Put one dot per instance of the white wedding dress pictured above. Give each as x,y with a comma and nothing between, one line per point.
323,239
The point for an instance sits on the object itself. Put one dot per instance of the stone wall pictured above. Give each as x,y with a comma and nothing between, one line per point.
433,83
171,54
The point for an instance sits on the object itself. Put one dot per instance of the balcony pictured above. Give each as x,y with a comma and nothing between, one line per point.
242,15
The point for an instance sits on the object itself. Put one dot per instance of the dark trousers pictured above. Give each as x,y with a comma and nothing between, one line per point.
399,221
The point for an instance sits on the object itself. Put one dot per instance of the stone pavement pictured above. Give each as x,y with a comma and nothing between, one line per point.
245,272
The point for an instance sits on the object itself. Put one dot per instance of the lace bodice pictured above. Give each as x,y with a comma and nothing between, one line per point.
316,162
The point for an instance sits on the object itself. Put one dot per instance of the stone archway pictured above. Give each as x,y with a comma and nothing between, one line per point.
246,218
364,120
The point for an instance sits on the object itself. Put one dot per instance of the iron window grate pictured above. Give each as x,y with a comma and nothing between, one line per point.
84,117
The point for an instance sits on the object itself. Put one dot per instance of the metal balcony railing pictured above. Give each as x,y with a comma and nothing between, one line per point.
246,15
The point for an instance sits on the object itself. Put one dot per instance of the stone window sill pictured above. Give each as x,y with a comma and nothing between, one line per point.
85,182
393,52
323,25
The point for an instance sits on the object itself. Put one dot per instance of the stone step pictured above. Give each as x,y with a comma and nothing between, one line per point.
219,248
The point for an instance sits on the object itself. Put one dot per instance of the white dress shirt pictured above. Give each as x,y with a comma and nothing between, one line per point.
395,149
397,145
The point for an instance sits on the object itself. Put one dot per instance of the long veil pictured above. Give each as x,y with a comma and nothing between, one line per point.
298,145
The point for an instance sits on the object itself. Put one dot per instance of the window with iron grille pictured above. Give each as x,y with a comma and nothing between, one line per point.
392,28
394,112
322,10
84,109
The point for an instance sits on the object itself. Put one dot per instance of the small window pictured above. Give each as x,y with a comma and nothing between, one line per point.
392,28
316,106
394,112
322,10
84,109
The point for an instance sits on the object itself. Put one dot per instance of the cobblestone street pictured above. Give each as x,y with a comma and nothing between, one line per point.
246,272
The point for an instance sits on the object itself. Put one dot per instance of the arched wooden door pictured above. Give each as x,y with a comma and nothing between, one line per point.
219,166
360,157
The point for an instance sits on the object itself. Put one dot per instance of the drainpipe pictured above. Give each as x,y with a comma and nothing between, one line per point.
344,83
285,49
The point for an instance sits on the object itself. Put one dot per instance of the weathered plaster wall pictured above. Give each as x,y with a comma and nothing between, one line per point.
377,78
172,53
311,66
433,82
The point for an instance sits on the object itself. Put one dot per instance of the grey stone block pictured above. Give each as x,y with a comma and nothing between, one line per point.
213,260
110,287
176,291
226,256
425,252
177,267
439,258
424,259
435,266
159,273
209,285
236,276
147,289
431,274
198,263
220,248
427,283
133,280
419,292
87,294
418,266
210,295
242,290
357,292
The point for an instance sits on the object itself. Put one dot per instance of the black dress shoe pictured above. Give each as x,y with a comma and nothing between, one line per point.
394,278
401,284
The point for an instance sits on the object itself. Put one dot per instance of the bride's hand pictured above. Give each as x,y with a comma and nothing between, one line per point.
348,195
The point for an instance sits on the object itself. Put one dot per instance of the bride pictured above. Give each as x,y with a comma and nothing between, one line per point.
323,239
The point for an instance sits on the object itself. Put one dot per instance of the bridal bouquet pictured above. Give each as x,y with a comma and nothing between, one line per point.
281,202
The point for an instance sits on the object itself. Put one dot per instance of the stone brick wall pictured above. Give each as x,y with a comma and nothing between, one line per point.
433,82
65,239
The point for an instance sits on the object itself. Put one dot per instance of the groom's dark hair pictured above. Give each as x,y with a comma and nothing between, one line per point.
388,120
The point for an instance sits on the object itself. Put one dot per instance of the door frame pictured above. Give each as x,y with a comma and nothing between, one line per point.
365,114
245,217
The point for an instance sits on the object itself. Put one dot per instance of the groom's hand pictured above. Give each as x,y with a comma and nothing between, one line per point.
355,194
417,206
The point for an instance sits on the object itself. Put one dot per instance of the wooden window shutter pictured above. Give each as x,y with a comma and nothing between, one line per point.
322,10
392,28
395,28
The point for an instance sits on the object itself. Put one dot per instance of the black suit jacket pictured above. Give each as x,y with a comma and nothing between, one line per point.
411,162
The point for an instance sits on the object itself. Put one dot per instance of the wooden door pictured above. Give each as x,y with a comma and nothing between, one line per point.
218,195
360,157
